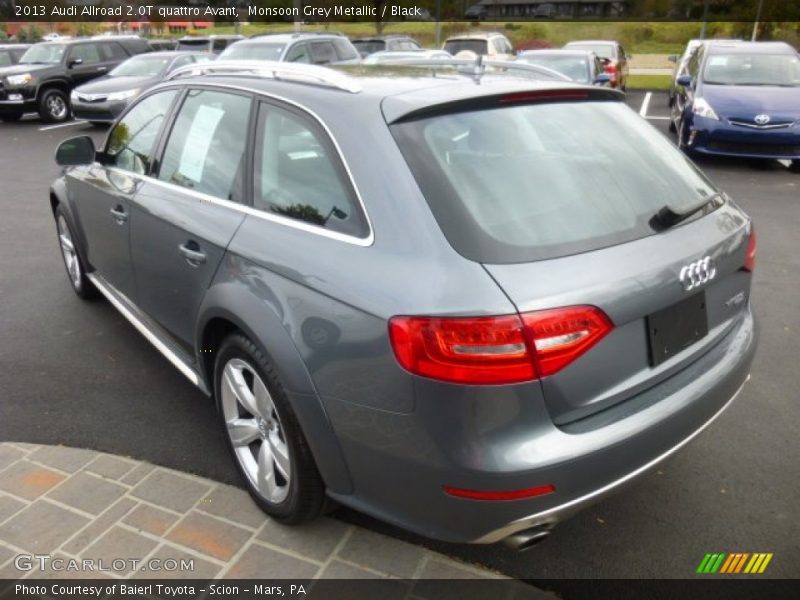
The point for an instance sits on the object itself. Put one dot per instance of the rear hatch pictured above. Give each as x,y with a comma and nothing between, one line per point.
558,198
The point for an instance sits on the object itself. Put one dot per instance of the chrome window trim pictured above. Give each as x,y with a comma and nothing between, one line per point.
249,210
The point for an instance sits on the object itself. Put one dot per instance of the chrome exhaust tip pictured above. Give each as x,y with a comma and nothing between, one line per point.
527,538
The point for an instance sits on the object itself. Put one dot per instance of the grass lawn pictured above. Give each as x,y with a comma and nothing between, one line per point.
649,82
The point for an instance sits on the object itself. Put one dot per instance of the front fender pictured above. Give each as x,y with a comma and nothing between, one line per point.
233,300
59,196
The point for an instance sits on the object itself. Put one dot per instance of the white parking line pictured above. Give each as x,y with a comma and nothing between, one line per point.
645,104
70,124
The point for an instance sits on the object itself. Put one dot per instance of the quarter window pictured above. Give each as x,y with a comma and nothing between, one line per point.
206,147
298,174
113,51
298,53
322,53
131,142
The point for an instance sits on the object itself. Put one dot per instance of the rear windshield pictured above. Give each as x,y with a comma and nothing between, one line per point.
530,182
574,67
268,51
602,50
456,46
369,46
193,44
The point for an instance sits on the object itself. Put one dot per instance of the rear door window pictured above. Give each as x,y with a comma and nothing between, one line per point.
206,148
298,174
529,182
345,50
112,51
298,53
88,53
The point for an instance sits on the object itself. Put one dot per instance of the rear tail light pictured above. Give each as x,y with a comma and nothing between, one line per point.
750,256
496,350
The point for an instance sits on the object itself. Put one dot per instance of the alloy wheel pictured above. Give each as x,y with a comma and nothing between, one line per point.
57,107
69,253
255,430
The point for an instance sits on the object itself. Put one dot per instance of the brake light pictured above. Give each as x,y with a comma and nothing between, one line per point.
496,350
750,255
500,495
547,95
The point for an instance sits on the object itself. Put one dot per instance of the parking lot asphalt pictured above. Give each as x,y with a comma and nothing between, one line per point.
78,374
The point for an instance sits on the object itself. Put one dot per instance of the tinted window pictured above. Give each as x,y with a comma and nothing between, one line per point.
369,46
5,58
88,53
131,142
323,53
456,46
345,50
205,151
298,53
538,181
298,174
200,45
220,45
113,51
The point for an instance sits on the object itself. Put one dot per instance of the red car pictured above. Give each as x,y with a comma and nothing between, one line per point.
613,56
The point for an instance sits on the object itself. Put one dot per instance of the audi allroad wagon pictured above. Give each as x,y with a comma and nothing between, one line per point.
467,305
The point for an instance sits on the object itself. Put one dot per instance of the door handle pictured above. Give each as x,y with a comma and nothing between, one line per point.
191,251
119,214
102,68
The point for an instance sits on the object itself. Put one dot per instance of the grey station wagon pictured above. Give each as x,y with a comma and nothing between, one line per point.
467,305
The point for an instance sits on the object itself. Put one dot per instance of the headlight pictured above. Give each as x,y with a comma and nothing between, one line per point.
126,95
19,79
73,97
703,109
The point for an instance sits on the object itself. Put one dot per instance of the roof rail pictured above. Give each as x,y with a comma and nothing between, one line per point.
296,34
283,71
479,67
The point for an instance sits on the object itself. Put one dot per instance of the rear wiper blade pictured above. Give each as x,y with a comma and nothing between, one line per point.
668,216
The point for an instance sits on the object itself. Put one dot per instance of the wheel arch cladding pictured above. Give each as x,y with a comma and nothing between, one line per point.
229,307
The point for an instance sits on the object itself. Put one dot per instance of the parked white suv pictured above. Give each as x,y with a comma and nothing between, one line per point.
492,45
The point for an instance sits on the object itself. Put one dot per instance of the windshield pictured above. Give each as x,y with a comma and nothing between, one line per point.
141,66
752,69
529,182
574,67
456,46
254,51
43,53
602,50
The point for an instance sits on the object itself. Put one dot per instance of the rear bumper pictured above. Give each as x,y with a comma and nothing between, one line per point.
503,439
721,138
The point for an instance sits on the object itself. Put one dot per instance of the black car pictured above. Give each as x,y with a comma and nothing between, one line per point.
391,43
11,53
47,72
103,100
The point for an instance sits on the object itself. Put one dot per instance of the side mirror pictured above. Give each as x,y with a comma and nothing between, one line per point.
673,58
602,79
75,62
685,80
76,151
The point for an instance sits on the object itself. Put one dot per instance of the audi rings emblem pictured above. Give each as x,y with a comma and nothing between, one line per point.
697,273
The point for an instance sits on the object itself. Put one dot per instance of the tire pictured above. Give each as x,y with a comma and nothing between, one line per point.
11,117
259,424
73,263
53,106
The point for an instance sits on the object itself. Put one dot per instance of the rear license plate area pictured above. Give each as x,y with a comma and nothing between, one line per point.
676,327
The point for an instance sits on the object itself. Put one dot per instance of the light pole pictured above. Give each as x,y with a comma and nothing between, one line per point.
758,17
705,21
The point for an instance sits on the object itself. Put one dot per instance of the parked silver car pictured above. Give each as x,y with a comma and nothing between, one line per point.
486,306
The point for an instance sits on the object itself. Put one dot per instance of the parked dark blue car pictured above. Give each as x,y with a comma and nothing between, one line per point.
740,99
